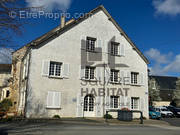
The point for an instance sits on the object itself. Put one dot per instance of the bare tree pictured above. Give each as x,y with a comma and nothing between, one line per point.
9,22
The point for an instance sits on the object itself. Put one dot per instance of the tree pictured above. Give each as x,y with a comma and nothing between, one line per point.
176,93
8,23
154,92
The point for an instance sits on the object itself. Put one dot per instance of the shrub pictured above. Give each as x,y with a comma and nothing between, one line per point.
56,117
5,105
108,116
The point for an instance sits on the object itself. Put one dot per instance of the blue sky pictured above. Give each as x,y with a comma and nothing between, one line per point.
153,25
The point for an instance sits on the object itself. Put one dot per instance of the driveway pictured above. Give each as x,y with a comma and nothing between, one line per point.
45,128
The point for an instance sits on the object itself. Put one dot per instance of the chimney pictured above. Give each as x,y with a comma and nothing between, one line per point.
63,21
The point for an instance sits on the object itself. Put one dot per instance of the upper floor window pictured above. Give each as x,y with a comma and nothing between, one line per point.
134,78
114,75
135,103
90,73
114,48
114,101
55,69
90,44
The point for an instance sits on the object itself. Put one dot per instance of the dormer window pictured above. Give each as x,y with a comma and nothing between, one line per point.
90,44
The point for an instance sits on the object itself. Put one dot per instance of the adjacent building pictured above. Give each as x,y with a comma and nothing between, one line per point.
81,69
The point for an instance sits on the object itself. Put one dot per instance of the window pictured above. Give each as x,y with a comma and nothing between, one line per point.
114,102
7,93
89,103
134,78
114,75
114,48
134,103
53,99
90,44
55,69
90,73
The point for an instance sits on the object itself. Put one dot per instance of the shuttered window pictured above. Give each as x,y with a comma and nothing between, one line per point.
53,99
90,73
134,78
114,103
55,69
134,103
114,75
90,44
114,48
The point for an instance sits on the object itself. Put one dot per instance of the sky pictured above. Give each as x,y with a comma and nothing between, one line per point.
153,25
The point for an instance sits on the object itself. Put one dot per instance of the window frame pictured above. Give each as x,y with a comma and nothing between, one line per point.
89,76
55,74
53,101
91,44
133,103
114,102
115,49
134,78
112,75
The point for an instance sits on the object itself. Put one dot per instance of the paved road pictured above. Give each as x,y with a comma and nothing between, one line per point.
81,129
173,121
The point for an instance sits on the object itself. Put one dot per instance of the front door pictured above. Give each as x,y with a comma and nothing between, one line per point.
89,109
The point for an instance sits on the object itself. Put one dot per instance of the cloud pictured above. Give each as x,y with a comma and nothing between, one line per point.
49,5
6,55
163,64
167,7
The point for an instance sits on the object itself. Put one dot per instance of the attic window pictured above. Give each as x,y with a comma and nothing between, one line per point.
90,44
114,48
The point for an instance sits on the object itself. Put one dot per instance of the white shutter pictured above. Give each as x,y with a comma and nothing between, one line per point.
65,70
121,102
99,107
107,47
82,72
141,79
107,75
57,99
83,42
121,50
107,103
45,68
142,104
122,76
50,99
128,73
99,45
98,73
80,106
129,103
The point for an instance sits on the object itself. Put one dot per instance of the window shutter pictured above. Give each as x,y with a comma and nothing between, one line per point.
107,47
142,104
83,42
65,70
80,106
45,68
57,99
99,45
128,77
122,76
82,72
98,73
121,50
50,99
107,103
141,79
107,74
129,103
99,111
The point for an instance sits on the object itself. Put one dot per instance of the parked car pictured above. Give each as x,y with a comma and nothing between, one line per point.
176,111
154,114
164,112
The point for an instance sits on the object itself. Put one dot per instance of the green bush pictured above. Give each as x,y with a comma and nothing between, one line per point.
5,105
56,117
108,116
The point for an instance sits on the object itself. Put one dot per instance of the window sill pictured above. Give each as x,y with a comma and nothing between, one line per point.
48,107
138,85
114,82
89,80
56,77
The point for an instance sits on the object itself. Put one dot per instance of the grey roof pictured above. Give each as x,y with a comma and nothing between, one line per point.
165,82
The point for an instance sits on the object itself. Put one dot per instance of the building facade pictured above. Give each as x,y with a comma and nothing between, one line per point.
81,69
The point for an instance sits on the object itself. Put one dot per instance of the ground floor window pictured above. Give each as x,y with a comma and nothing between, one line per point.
89,103
135,103
114,101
